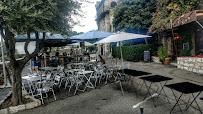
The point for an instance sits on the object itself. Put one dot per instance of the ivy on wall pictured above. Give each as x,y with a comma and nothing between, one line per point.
186,32
169,9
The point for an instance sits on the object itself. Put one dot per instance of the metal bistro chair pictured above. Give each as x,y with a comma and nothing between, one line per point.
77,80
69,79
26,84
97,75
47,87
57,81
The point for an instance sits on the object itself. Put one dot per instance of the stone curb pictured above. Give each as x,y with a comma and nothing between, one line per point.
9,93
27,106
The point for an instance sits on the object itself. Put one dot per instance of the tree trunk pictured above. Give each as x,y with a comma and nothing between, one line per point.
17,85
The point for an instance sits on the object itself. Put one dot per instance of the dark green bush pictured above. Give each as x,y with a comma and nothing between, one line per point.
135,52
184,52
91,48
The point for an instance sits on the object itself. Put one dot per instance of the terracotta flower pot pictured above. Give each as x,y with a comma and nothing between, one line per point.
1,81
167,61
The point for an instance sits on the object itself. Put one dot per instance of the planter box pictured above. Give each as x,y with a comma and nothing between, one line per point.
155,59
191,63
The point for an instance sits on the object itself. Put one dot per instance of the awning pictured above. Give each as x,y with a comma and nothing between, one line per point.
193,16
52,40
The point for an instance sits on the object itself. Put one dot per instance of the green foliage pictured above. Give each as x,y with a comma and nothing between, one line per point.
186,32
20,16
91,48
184,52
169,9
162,53
135,52
134,15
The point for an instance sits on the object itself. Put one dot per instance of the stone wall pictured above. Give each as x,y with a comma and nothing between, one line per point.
155,59
194,64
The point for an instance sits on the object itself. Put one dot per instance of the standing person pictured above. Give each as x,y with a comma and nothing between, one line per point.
71,51
57,53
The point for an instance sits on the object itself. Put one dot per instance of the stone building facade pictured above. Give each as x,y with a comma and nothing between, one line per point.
104,18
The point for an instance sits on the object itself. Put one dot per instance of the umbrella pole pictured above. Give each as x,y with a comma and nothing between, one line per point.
121,55
122,69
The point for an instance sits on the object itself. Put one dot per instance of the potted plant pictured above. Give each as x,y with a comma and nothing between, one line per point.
163,57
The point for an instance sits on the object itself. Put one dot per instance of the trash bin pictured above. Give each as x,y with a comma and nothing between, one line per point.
147,56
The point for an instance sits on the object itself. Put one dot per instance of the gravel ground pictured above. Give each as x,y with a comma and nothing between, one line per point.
4,92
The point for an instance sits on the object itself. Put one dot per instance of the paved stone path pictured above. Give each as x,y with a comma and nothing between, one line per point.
108,100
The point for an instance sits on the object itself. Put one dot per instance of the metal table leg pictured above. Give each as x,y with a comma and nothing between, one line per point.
194,100
162,88
177,100
148,91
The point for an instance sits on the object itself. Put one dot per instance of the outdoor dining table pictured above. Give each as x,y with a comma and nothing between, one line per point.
185,88
49,68
87,77
155,79
33,78
77,64
72,70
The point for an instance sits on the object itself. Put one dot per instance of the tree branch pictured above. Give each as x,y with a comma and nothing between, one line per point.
4,36
2,32
27,42
39,46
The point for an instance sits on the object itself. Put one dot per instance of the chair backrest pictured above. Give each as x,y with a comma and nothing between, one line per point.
126,65
95,68
30,70
48,84
86,58
48,76
57,79
62,74
93,57
69,67
99,64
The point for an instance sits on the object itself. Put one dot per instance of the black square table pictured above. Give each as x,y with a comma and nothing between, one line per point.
155,79
132,72
185,88
129,72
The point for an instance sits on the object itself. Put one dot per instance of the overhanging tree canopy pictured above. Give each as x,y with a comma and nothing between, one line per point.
18,17
134,16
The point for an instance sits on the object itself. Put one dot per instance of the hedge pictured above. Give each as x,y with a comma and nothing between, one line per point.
134,53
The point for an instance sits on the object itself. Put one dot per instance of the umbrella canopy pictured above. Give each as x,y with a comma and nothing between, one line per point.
52,40
94,34
33,37
121,37
78,43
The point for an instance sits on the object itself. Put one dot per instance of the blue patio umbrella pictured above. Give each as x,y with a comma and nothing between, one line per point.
91,35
